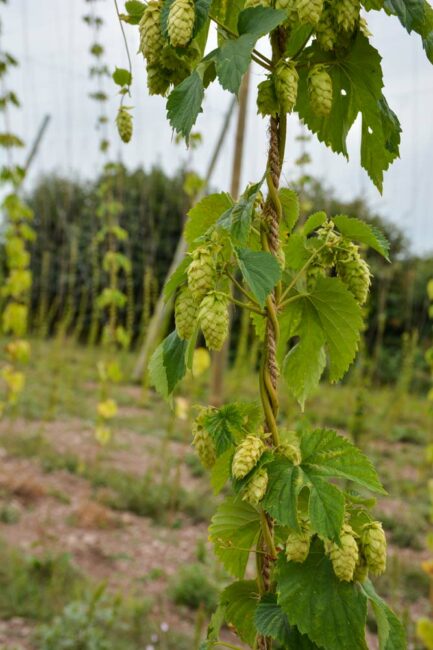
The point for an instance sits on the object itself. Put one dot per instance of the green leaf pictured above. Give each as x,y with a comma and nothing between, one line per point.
223,425
184,104
417,16
260,20
205,214
177,278
357,88
201,14
284,485
234,531
306,361
167,365
232,61
215,624
122,77
240,601
135,10
220,472
362,232
313,222
296,252
290,204
271,621
332,613
227,13
260,271
329,454
392,635
326,506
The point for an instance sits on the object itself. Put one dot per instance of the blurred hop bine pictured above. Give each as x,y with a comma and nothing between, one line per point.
298,515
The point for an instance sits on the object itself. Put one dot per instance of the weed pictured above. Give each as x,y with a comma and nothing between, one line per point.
193,588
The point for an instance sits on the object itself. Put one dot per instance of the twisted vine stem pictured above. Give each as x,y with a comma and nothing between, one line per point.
269,373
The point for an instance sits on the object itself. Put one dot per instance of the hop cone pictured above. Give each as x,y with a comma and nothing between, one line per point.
214,320
298,543
325,31
257,3
346,14
361,570
247,455
256,488
203,442
267,100
309,11
345,557
374,547
151,37
185,313
282,4
124,124
181,21
355,274
201,273
286,84
158,81
320,87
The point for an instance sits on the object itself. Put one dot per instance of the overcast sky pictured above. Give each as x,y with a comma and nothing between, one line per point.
51,42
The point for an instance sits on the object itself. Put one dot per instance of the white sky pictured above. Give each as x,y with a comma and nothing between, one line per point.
51,42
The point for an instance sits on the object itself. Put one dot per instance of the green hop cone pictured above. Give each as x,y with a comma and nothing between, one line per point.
256,487
214,320
361,569
320,89
345,557
374,547
201,273
151,37
298,543
185,313
346,13
267,99
124,124
181,19
247,455
355,273
309,11
158,80
286,84
283,4
202,440
257,3
326,31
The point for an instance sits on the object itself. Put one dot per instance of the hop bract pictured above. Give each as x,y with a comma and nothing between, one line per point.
325,30
345,557
374,547
247,455
320,88
181,21
185,313
214,320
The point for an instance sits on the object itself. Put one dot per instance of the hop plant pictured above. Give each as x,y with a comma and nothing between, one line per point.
124,124
354,272
15,319
256,487
247,455
257,3
202,440
286,84
325,31
298,543
158,81
320,89
151,37
309,11
181,19
214,320
107,409
345,557
18,350
185,313
346,14
374,547
201,273
267,100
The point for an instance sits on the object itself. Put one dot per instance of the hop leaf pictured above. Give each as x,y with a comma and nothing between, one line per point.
247,455
181,21
214,320
124,124
286,84
320,88
256,487
185,313
309,11
201,273
345,557
298,543
374,547
151,37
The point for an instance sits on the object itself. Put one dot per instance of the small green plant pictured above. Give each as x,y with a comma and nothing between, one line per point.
192,587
